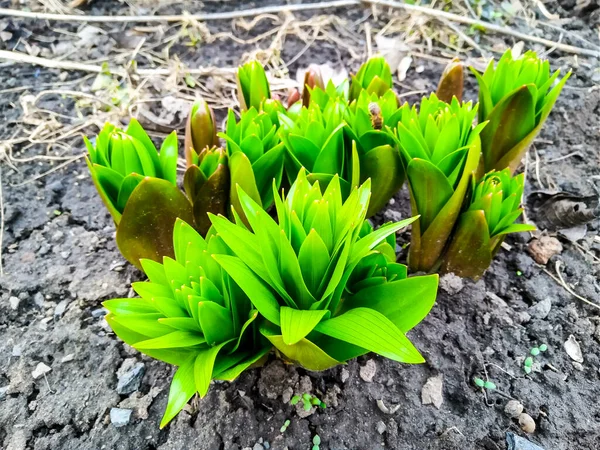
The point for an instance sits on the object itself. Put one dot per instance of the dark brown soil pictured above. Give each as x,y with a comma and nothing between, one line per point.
60,262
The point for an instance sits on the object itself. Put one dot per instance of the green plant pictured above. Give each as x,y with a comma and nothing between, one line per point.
535,351
256,155
308,401
295,272
481,229
316,442
441,151
200,131
253,86
489,385
190,314
374,76
139,188
515,97
285,425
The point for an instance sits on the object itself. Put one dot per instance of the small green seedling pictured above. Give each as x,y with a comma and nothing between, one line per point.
535,351
489,385
284,426
316,442
308,401
519,273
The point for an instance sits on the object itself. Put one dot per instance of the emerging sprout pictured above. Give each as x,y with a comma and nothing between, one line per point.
295,272
516,97
481,229
451,82
374,76
139,188
312,80
441,151
200,131
253,86
190,314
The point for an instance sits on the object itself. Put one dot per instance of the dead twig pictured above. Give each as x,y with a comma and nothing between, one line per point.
179,17
436,13
48,172
560,280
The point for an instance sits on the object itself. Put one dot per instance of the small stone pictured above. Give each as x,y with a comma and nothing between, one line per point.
345,374
578,366
367,372
14,303
120,417
513,409
39,299
527,423
3,391
573,349
393,216
65,254
541,309
40,370
452,284
431,394
60,308
16,351
258,447
130,380
287,394
523,317
68,358
381,427
100,312
544,248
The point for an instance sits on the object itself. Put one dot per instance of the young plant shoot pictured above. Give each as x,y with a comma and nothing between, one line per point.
252,85
295,271
139,188
190,314
441,152
515,97
494,208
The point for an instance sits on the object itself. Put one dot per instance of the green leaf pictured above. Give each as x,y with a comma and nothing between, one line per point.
235,371
212,197
146,227
182,323
469,253
260,295
242,175
384,166
269,167
128,185
143,324
124,306
296,324
168,158
431,190
109,198
182,389
304,352
203,367
172,340
216,322
405,302
313,258
154,271
369,329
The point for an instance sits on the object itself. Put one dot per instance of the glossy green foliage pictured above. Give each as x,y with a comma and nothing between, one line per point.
516,97
139,188
253,86
441,151
374,76
368,118
296,271
256,154
494,208
200,131
120,160
191,314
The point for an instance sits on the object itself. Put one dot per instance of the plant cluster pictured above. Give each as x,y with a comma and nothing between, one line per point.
270,247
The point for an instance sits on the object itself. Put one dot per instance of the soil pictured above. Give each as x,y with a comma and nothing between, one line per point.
60,262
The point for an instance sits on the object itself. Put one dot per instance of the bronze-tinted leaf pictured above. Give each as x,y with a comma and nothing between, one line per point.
451,82
384,166
212,197
146,227
469,253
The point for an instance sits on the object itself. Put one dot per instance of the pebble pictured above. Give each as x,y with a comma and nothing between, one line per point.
431,394
39,299
3,391
367,372
258,447
65,254
527,423
40,370
100,312
68,358
544,248
14,303
345,374
131,380
287,394
381,427
573,349
120,417
60,308
513,409
541,309
16,351
452,284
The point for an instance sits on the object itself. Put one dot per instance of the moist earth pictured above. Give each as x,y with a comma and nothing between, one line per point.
62,371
